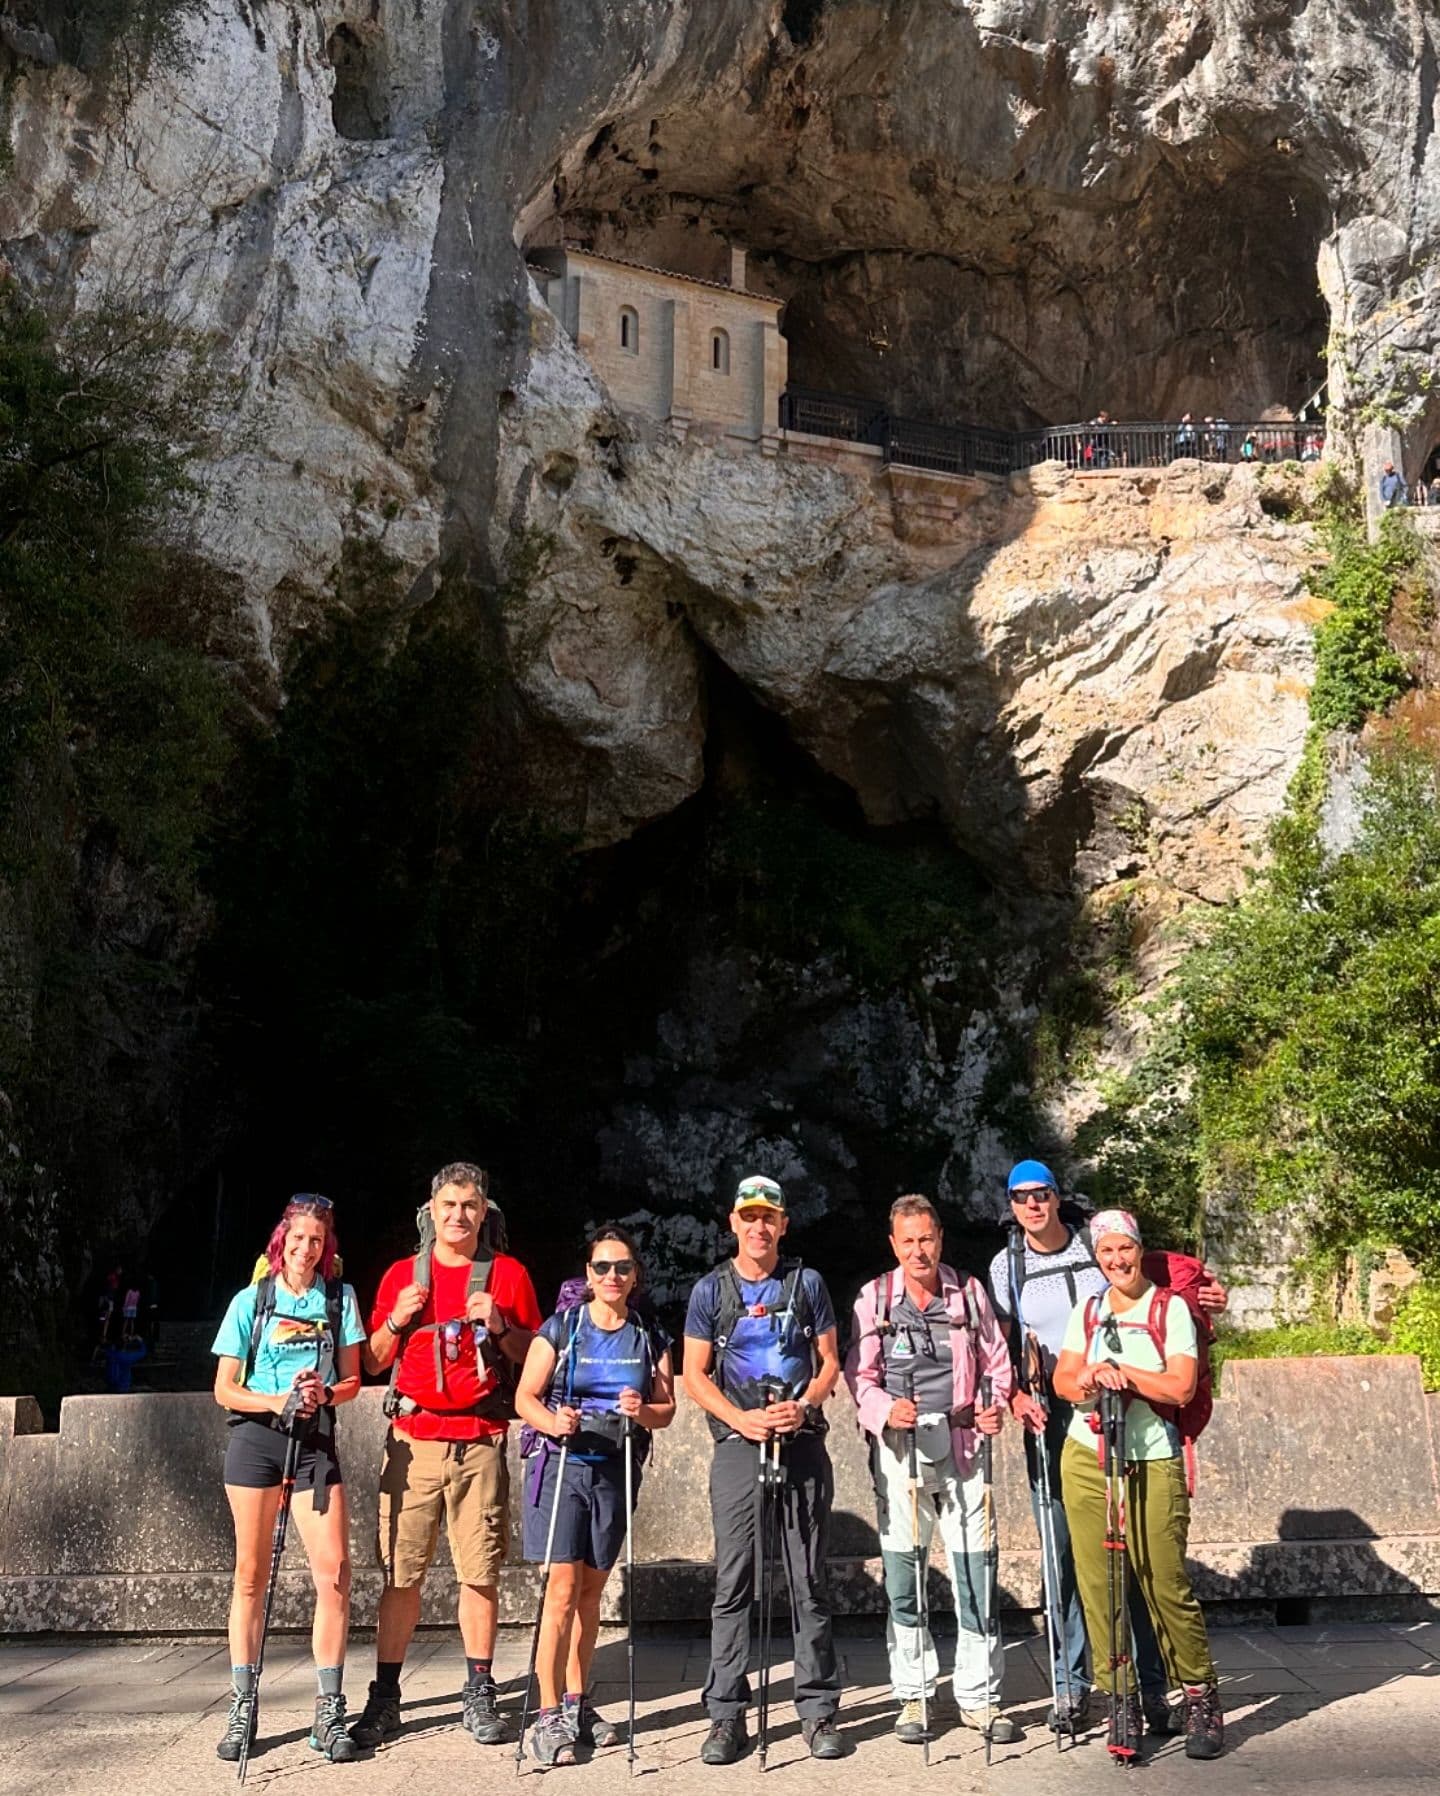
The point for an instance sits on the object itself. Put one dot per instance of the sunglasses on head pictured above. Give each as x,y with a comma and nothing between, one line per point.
621,1268
310,1200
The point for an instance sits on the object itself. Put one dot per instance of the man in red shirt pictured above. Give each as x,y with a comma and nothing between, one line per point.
446,1445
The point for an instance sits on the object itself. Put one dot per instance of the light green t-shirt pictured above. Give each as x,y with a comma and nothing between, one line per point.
1147,1436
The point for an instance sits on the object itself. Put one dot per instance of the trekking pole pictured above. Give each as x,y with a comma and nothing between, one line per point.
630,1580
922,1578
769,1496
277,1550
987,1464
1112,1435
1031,1370
540,1605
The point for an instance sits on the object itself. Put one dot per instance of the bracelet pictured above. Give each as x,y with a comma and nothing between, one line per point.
389,1323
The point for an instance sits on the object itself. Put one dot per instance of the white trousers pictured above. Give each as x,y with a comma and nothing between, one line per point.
958,1508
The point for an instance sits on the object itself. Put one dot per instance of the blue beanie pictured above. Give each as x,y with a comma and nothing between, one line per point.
1031,1172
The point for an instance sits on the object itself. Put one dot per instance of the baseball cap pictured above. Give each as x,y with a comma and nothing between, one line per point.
756,1193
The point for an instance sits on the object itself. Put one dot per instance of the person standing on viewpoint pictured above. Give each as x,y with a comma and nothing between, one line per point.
1046,1270
761,1358
289,1355
924,1337
446,1447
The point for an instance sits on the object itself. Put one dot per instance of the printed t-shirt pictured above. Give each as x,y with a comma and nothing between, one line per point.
1147,1435
293,1335
1054,1284
768,1345
602,1363
921,1347
464,1382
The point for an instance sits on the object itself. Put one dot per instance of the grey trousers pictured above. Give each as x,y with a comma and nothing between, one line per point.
805,1502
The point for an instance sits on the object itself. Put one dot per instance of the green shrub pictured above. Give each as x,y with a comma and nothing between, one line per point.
1417,1329
1357,673
1294,1340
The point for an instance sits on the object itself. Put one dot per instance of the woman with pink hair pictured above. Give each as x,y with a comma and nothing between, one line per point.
289,1353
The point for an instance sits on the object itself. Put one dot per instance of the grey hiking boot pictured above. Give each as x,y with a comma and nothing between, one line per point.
725,1742
329,1734
1160,1718
480,1712
1126,1722
910,1724
379,1720
551,1741
1204,1724
823,1738
591,1727
240,1724
1062,1720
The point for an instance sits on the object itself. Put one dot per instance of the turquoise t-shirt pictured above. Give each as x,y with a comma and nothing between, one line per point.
292,1337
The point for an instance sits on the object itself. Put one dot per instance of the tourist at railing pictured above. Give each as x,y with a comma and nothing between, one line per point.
1392,487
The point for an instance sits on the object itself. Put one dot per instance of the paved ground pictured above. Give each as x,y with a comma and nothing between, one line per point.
1309,1710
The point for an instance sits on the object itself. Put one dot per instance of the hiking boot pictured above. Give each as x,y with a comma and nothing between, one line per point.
910,1724
551,1740
1204,1724
725,1742
823,1738
591,1727
1126,1722
380,1718
328,1735
240,1724
1000,1729
1160,1718
1076,1718
480,1713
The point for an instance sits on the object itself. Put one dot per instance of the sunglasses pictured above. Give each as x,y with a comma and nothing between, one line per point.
621,1268
1111,1330
310,1200
1032,1194
452,1332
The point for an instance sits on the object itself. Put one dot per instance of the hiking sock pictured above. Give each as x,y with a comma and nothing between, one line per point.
243,1678
475,1669
330,1678
387,1672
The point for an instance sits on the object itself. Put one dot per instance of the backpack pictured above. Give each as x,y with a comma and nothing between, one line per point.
794,1303
1175,1275
570,1301
498,1404
885,1328
265,1308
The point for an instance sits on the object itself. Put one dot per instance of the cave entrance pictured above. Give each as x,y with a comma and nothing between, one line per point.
1188,283
360,104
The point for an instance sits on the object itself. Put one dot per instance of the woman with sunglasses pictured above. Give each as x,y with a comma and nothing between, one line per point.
289,1353
590,1367
1109,1346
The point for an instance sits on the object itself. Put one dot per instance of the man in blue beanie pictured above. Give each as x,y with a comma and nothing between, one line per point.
1035,1283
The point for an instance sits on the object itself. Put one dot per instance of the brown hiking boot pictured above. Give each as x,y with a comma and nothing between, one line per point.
1204,1723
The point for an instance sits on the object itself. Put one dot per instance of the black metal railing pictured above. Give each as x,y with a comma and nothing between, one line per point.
1094,447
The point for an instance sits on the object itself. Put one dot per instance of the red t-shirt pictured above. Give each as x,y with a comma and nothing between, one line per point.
464,1381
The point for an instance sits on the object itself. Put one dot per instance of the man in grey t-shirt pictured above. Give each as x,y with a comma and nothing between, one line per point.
1056,1271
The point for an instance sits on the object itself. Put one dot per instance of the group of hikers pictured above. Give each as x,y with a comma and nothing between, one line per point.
1093,1347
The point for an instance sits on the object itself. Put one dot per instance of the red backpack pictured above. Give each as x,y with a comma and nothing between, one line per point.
1175,1275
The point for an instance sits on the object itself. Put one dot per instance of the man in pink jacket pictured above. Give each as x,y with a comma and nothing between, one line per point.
923,1337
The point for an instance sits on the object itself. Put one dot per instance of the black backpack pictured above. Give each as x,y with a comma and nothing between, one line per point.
794,1302
498,1405
265,1309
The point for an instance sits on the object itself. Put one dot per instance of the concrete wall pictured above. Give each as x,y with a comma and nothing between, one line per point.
1317,1480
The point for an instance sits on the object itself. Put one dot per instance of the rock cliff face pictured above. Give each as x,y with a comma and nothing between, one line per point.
1000,210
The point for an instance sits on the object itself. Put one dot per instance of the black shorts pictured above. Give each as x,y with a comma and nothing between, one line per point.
255,1457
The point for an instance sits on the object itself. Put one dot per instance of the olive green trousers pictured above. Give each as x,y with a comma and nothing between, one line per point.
1156,1528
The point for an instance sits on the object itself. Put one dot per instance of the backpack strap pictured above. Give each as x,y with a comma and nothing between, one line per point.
326,1359
264,1310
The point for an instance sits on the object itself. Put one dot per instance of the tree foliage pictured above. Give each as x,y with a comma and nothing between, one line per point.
1299,1059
